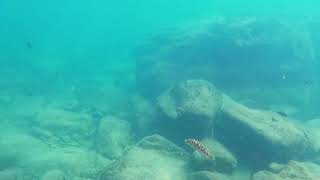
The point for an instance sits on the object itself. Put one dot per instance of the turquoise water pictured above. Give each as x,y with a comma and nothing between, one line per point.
86,85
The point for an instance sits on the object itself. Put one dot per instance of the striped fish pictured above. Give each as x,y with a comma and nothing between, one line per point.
199,147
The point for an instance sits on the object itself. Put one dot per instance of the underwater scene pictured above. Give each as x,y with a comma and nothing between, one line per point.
160,90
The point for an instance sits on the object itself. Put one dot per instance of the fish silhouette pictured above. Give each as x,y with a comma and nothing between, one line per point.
281,113
29,45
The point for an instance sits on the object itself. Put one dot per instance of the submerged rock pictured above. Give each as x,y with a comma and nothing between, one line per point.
154,157
53,175
195,97
223,50
35,157
18,150
207,175
81,178
257,137
261,137
75,161
292,171
114,136
145,115
58,126
224,160
312,127
11,174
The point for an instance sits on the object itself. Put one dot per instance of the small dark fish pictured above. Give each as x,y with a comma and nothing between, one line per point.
199,147
29,45
308,82
282,113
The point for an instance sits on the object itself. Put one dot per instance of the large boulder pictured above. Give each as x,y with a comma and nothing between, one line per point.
223,50
190,106
114,136
154,157
292,171
261,136
195,97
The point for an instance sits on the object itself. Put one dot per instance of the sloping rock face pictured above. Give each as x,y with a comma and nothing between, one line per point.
257,137
313,126
114,135
292,171
153,157
261,137
145,115
195,97
274,47
55,125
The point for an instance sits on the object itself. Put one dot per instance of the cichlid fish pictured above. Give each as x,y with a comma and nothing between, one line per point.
199,147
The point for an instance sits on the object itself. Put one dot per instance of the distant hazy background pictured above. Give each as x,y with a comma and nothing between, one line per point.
101,30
